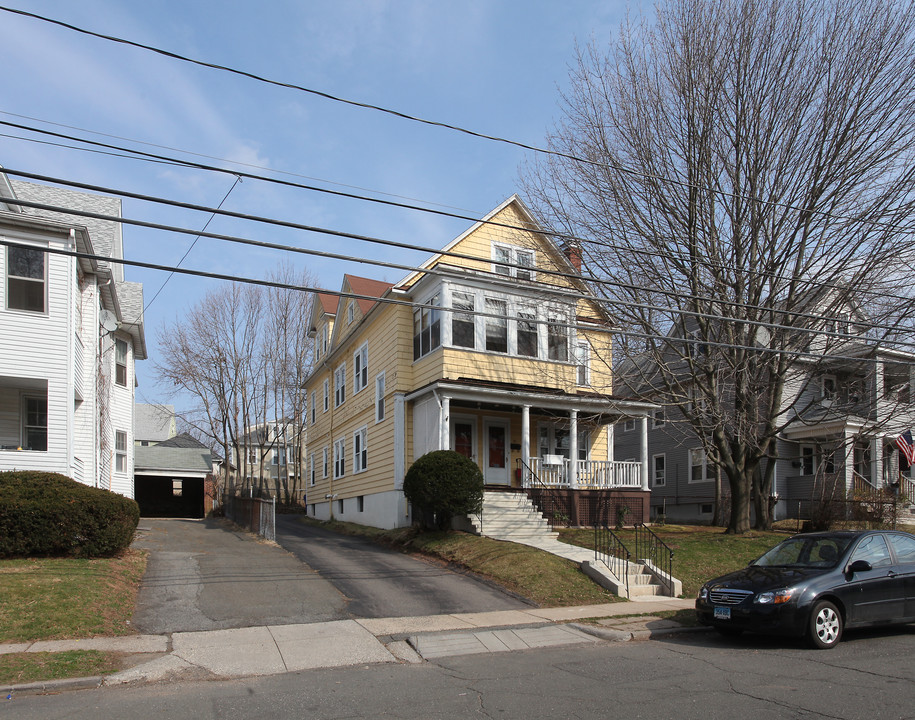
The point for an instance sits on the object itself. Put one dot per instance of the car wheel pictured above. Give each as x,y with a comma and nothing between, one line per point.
825,625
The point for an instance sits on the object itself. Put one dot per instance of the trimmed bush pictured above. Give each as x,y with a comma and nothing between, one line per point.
442,484
47,514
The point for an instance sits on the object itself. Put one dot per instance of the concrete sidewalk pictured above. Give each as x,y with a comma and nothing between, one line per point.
276,649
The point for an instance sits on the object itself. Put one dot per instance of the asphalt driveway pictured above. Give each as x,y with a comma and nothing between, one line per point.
206,575
380,582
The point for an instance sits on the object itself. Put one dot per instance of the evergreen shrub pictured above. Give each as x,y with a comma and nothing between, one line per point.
443,484
47,514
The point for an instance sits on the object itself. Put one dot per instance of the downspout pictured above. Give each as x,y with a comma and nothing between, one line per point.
71,353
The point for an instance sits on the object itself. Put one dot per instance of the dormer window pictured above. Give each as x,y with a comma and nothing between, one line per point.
506,256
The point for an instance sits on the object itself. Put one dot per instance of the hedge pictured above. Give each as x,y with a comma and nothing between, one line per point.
47,514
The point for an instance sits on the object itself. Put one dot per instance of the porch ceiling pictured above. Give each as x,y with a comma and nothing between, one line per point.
21,383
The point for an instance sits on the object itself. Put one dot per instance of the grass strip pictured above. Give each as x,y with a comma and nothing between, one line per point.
64,598
21,668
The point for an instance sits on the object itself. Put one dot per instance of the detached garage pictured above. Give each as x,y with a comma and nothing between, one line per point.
173,481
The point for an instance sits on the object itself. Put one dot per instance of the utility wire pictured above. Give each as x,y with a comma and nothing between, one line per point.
800,354
413,269
551,233
405,116
225,160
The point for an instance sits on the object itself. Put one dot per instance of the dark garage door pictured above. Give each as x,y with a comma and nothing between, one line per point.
169,496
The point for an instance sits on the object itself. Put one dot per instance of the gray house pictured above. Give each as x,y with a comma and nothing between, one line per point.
844,405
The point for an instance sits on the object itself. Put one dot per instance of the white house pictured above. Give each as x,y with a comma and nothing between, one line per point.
70,331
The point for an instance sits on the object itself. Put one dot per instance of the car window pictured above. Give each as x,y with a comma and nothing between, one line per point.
825,552
806,551
873,549
785,553
904,545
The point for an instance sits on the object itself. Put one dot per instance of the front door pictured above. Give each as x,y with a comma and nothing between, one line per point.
496,460
464,437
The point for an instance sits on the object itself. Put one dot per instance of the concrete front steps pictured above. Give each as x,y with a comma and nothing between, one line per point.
513,517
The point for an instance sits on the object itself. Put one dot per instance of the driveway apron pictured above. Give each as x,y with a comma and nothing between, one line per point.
380,582
203,575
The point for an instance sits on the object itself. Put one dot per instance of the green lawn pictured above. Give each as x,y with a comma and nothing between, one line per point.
700,552
61,598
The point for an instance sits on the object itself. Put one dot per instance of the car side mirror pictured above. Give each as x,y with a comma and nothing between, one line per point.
859,566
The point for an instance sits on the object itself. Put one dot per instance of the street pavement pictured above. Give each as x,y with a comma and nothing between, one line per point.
218,603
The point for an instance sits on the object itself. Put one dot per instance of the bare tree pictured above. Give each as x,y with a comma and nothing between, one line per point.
739,170
237,363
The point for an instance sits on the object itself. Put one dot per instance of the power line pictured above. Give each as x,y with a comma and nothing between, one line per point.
223,160
556,291
559,236
390,243
415,305
405,116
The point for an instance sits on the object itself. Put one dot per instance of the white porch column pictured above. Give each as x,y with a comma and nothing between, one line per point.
877,461
610,441
849,461
573,448
525,443
643,450
445,424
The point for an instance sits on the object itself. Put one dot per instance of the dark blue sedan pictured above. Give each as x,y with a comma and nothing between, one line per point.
815,585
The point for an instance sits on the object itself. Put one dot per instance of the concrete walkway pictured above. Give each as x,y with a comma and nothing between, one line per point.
276,649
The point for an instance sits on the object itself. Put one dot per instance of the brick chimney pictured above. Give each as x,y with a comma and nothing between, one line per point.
572,250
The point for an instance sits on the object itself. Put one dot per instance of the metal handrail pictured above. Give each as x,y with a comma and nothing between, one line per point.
547,500
610,550
649,548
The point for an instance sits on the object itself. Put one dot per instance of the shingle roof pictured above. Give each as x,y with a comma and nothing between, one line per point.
367,286
184,440
105,234
156,457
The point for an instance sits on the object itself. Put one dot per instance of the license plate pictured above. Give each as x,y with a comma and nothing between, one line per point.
722,613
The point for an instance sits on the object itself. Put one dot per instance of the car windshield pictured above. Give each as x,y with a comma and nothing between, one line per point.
810,552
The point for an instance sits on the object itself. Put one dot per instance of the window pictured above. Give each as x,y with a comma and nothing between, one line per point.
360,503
35,423
629,425
340,385
557,339
324,334
427,331
583,365
659,470
360,368
351,311
360,453
25,279
808,460
326,395
177,488
120,451
528,340
379,398
462,320
312,470
324,459
339,458
658,418
705,509
828,388
873,549
699,470
279,455
120,362
504,256
496,327
314,405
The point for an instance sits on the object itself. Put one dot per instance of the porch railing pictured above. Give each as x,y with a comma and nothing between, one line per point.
610,550
556,471
907,488
651,550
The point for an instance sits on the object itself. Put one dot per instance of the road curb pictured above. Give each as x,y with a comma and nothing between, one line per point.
52,686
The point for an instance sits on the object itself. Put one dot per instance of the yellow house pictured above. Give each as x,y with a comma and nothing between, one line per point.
494,350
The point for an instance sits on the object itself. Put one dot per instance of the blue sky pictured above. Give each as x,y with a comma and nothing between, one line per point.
493,67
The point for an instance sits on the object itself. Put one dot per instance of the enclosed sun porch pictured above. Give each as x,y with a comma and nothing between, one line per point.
539,442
